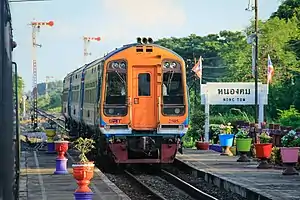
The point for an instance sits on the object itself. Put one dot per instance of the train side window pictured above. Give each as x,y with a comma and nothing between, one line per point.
144,84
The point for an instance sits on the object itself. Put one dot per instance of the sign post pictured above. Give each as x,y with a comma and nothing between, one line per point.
234,93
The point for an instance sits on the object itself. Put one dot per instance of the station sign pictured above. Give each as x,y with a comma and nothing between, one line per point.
233,93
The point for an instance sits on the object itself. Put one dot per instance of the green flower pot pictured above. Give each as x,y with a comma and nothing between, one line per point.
243,144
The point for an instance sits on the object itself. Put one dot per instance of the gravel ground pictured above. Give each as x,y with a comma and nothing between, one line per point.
133,190
165,189
201,184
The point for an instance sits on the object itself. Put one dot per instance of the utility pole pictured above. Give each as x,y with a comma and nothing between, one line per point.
86,42
256,62
46,87
36,28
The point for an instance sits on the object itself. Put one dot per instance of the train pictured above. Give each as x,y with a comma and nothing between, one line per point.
134,101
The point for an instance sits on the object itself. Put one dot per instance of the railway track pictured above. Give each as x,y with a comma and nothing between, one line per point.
165,185
60,122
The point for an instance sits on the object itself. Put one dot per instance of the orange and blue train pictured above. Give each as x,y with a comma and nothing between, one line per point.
134,100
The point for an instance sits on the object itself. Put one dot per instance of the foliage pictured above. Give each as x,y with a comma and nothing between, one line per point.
226,129
290,117
214,131
264,137
276,156
84,146
228,117
20,90
188,142
197,120
242,133
288,9
244,114
52,101
291,139
53,87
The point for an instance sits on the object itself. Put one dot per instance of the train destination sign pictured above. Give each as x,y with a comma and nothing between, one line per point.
234,93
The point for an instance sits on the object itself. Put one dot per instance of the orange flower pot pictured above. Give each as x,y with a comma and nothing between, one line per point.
83,173
61,147
263,150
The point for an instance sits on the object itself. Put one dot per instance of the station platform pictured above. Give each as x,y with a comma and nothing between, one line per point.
37,181
241,178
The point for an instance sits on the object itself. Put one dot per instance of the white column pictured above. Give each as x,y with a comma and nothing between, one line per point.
261,97
206,127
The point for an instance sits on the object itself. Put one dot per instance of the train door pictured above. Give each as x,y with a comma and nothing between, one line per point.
144,98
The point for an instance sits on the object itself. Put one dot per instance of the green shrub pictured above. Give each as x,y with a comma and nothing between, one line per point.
196,125
188,142
290,117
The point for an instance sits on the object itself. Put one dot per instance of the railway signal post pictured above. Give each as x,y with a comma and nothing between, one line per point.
86,42
36,28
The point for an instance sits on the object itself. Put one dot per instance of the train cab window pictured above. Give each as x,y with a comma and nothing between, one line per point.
144,84
172,88
116,94
172,92
116,87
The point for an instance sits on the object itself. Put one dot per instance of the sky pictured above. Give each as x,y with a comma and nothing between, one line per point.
117,22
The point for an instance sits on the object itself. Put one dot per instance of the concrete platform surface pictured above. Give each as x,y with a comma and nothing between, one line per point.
37,181
242,178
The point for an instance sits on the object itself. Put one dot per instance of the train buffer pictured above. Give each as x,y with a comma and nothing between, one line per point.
37,181
241,178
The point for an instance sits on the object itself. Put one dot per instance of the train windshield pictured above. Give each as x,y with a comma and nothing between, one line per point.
116,88
172,88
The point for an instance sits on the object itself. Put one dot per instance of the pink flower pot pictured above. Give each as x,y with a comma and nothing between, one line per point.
289,154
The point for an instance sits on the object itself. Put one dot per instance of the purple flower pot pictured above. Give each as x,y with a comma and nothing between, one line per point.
61,166
51,147
83,195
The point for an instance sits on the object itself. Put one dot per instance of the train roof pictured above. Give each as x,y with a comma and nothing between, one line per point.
112,53
135,44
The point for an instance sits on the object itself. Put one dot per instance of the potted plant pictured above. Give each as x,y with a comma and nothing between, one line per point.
243,144
50,133
289,152
201,144
226,139
83,171
263,150
61,147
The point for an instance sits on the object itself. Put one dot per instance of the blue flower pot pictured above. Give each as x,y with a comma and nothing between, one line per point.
226,140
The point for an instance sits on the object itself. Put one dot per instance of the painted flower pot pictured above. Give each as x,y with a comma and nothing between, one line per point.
83,173
243,145
263,152
226,141
289,156
202,145
50,133
61,148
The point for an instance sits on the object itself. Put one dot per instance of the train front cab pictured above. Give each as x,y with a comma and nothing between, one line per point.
150,113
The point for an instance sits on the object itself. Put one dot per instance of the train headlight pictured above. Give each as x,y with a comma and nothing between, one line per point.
115,65
166,65
111,111
123,65
177,110
173,65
